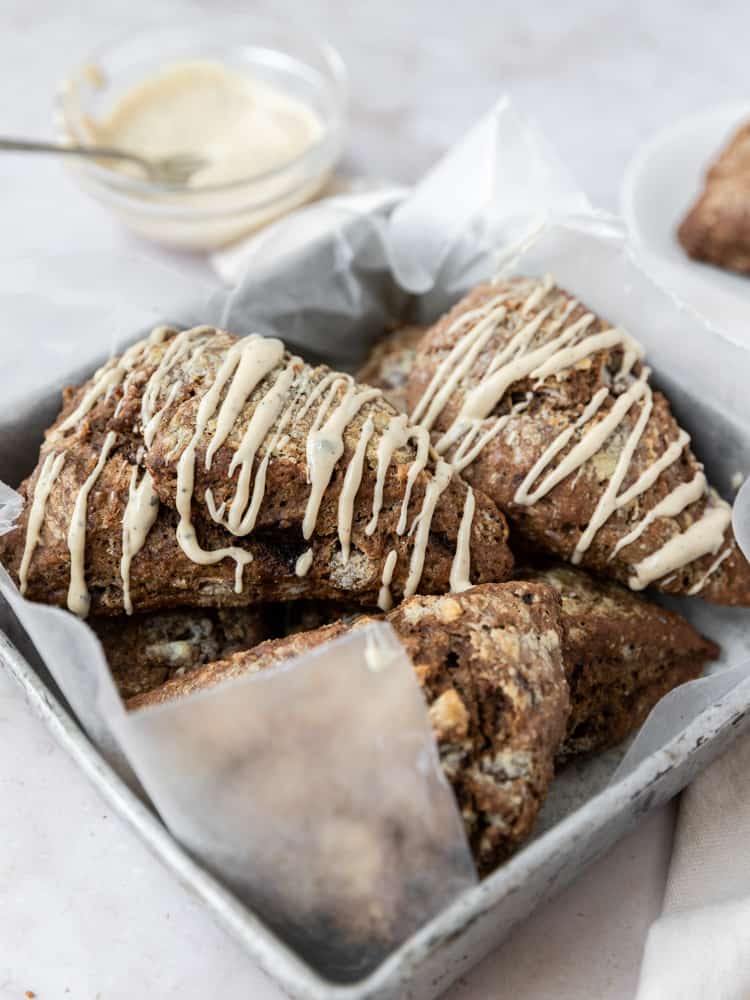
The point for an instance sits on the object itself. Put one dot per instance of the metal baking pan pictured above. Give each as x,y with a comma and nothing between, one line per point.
585,813
481,918
471,927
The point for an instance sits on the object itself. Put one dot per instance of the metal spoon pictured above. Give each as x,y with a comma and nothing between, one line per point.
174,171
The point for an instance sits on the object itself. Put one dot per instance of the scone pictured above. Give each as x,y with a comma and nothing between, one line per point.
621,654
717,228
146,650
489,662
548,410
200,469
390,362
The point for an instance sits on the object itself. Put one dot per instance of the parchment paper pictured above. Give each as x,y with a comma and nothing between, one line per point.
500,190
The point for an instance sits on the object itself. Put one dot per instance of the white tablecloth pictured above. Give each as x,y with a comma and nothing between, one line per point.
84,910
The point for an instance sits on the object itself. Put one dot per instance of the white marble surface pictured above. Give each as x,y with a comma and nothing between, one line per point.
84,911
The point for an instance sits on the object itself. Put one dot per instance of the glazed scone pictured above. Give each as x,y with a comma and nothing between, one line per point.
146,650
235,474
490,665
390,363
717,228
548,410
621,654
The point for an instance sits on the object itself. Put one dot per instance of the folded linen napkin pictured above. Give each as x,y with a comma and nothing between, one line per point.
699,948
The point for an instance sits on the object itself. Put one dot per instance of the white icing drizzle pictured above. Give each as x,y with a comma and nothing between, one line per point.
181,345
79,600
480,401
49,472
185,530
186,472
385,599
109,377
459,578
568,345
129,378
538,295
247,524
422,437
607,504
673,504
141,512
649,476
521,340
590,443
396,435
393,437
704,536
459,360
465,454
569,357
149,431
523,494
217,513
250,361
264,417
318,390
422,523
352,482
698,587
325,446
304,562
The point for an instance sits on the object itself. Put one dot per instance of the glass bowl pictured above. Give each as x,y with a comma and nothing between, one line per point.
203,218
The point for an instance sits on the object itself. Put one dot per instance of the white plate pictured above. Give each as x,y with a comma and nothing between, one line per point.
660,185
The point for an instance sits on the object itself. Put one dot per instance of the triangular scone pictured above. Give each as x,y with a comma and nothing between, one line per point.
489,663
547,409
621,654
717,228
228,472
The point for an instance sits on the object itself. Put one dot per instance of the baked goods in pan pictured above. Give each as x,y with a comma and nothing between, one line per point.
199,469
390,362
199,477
717,227
547,409
490,665
146,650
621,653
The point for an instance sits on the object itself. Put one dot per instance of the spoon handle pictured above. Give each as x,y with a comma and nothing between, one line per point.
97,152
